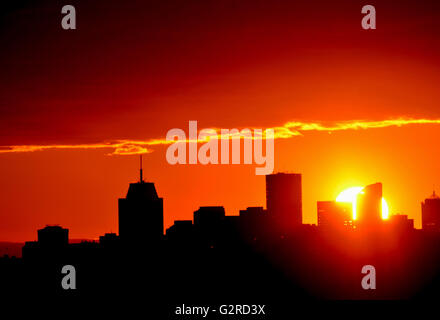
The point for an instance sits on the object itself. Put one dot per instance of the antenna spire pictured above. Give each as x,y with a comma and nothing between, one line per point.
141,177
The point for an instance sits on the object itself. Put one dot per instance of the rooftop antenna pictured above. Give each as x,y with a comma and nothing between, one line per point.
141,178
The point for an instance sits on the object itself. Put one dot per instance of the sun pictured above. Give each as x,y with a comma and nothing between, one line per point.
350,195
385,210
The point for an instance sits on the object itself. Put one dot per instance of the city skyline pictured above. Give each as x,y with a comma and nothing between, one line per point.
358,106
144,208
269,247
224,158
302,220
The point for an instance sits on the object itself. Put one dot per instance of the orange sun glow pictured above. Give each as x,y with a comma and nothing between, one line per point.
350,195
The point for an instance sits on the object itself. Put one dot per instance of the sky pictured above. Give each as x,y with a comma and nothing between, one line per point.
75,104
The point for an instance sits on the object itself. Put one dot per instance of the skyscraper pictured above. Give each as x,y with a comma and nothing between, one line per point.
431,213
141,214
284,200
369,207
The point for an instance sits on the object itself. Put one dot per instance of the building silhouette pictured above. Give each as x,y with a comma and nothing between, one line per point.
181,231
335,215
254,222
209,224
209,217
284,200
265,251
52,241
400,222
431,213
109,240
253,212
369,207
140,214
53,236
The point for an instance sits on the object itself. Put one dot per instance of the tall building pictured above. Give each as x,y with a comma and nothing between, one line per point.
431,213
284,200
369,207
141,214
335,215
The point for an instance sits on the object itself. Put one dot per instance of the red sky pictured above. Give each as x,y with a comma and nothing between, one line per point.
134,70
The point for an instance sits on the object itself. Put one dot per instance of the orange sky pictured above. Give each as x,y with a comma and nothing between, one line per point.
134,71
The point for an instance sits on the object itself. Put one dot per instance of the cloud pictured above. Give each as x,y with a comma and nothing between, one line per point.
355,125
286,131
119,147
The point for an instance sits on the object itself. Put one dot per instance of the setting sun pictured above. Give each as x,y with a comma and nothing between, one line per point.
385,210
350,195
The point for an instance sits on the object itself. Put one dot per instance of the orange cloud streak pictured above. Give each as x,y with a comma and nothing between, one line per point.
288,130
